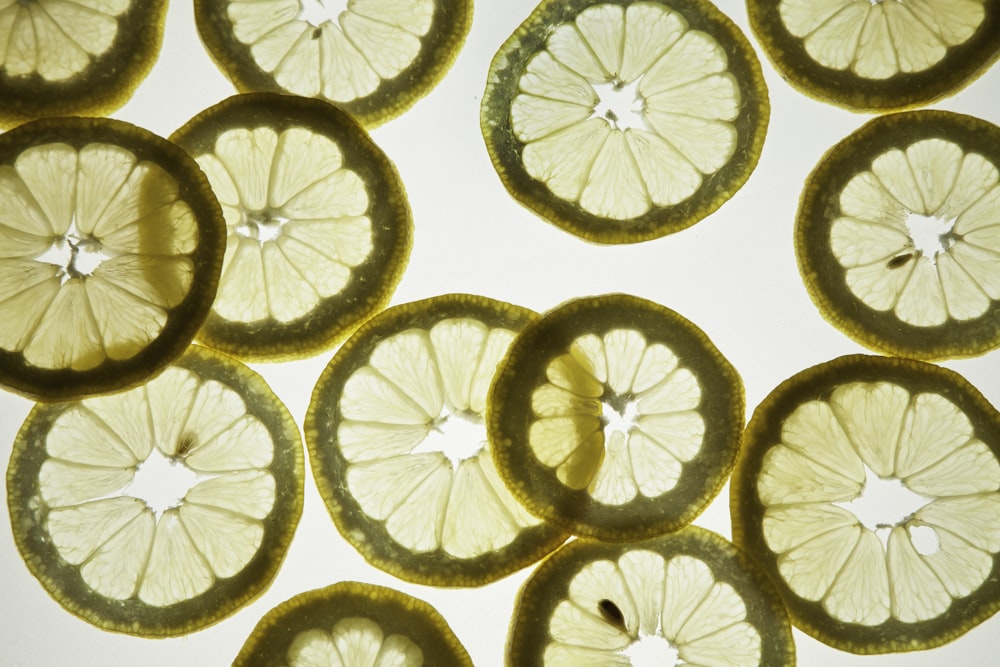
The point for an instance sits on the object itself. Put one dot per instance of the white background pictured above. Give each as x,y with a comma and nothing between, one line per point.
734,274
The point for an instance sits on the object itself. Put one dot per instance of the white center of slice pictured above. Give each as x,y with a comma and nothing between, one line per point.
318,12
620,105
76,255
930,236
161,482
652,651
885,503
457,436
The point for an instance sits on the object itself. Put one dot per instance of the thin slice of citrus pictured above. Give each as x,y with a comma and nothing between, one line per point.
898,235
688,598
615,417
398,446
111,243
878,55
318,222
374,58
622,121
164,508
869,490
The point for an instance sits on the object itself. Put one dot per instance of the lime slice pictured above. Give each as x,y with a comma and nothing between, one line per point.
162,509
352,623
869,490
688,598
876,55
111,244
898,235
614,417
398,445
319,229
623,121
374,58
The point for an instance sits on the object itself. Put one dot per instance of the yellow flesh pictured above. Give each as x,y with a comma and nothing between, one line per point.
352,641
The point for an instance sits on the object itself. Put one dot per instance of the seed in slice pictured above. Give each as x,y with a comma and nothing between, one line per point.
162,509
614,417
688,598
374,58
898,235
623,121
111,243
318,222
398,446
877,55
868,488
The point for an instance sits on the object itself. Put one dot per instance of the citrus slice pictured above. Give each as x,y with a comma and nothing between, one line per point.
68,57
615,417
877,55
688,598
111,243
164,508
898,235
398,445
374,58
868,488
319,228
623,121
352,624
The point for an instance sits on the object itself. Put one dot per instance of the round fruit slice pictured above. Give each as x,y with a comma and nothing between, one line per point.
687,598
318,222
623,121
898,235
374,58
869,490
62,57
614,417
162,509
876,55
111,243
353,624
398,446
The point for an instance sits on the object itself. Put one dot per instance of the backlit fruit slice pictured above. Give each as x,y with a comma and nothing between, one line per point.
374,58
622,121
111,243
898,235
614,417
352,624
398,446
68,57
318,222
688,598
878,55
162,509
869,490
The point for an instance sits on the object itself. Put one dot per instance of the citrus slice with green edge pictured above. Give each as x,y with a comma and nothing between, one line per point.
111,243
689,598
878,55
69,57
374,58
398,445
615,417
898,235
868,488
162,509
353,624
622,121
319,228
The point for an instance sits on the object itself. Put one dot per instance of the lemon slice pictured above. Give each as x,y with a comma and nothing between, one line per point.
898,235
398,446
623,121
614,417
353,623
688,598
164,508
878,55
319,228
869,490
111,244
67,57
374,58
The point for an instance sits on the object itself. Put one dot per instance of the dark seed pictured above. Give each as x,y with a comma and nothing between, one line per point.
612,614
